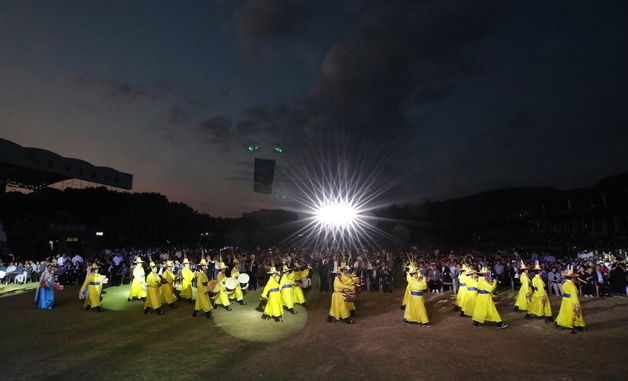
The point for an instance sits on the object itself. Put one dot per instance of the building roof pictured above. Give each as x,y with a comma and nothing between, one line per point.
36,168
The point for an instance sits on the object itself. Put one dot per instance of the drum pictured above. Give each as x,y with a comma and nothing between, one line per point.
213,288
231,284
349,296
306,283
244,281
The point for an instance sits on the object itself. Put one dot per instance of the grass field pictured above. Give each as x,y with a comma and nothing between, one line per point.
122,343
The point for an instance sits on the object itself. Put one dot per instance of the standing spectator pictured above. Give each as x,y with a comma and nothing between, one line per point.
435,278
585,278
601,279
499,270
618,278
252,268
323,271
554,280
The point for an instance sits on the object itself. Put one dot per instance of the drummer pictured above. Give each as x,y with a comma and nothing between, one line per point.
186,281
222,299
339,309
299,297
272,296
237,293
167,285
287,291
203,302
349,282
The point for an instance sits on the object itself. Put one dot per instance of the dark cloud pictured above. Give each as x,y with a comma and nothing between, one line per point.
178,115
217,130
264,19
161,91
400,56
118,89
277,121
401,50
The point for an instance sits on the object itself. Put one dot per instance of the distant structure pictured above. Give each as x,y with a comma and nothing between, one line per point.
35,169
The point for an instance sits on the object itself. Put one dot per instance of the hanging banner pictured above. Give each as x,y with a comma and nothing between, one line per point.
264,176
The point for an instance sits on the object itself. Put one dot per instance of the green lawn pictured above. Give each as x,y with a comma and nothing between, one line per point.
123,343
68,343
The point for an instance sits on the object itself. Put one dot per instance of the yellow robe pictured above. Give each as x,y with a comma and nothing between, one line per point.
223,295
202,297
346,279
406,294
471,296
93,285
522,296
299,297
186,283
153,295
237,293
567,316
287,290
484,306
462,290
138,286
271,292
415,311
167,289
539,304
339,308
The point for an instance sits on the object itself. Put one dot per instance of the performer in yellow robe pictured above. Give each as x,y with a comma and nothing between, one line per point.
484,306
237,294
167,286
406,295
203,302
462,288
186,281
153,295
348,281
524,295
222,299
415,311
91,289
299,297
539,302
287,291
274,306
471,294
570,314
339,309
138,285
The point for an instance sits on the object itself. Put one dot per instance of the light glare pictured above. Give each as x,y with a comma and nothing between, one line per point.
336,215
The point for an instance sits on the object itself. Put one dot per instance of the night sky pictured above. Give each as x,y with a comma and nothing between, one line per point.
448,97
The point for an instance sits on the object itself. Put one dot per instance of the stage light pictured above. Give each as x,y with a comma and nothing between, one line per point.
336,214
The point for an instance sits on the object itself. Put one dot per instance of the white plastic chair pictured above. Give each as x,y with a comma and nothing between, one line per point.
21,278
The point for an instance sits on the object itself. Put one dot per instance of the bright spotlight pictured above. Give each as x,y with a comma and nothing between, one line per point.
336,214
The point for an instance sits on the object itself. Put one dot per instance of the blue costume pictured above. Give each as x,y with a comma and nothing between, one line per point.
45,296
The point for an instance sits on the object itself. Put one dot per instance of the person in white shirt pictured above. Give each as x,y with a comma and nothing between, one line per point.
217,262
554,279
77,259
117,259
10,273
